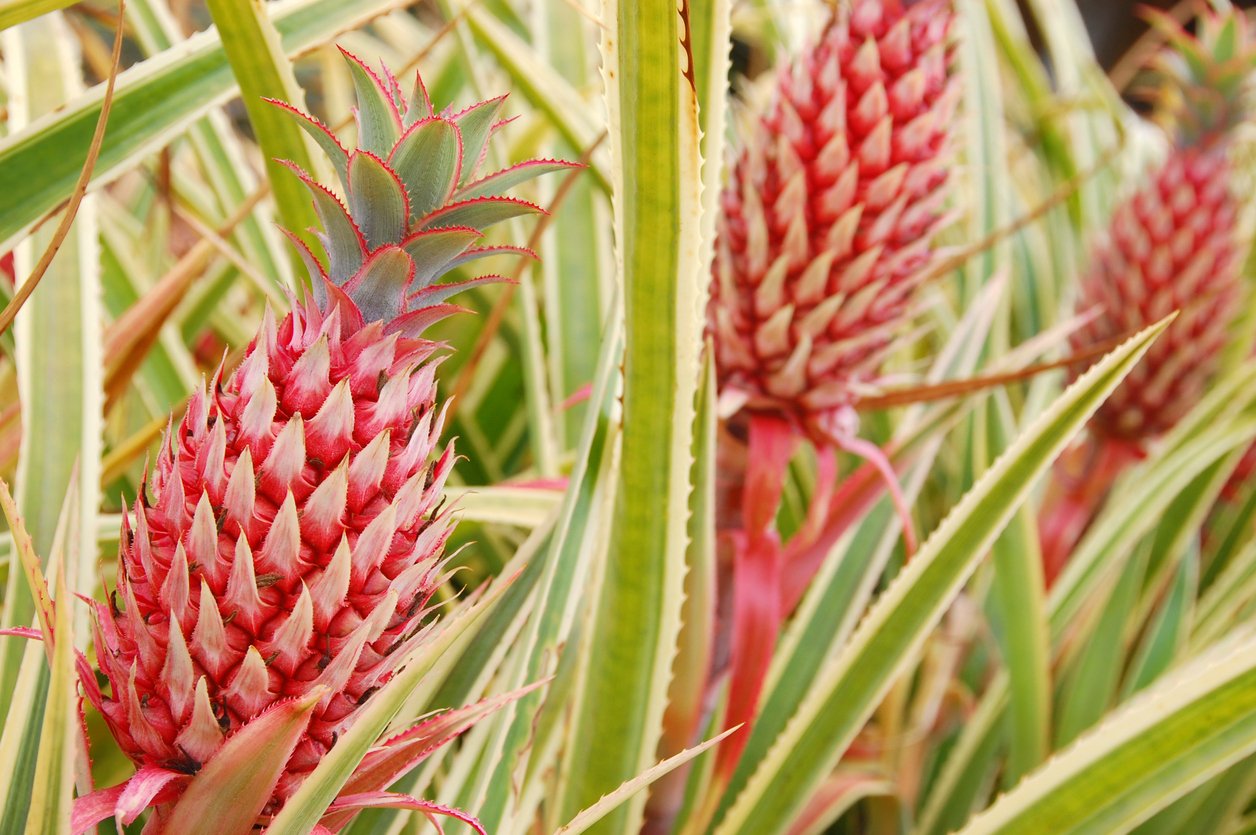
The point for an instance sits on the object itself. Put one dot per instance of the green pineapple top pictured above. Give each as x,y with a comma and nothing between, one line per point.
1204,78
416,201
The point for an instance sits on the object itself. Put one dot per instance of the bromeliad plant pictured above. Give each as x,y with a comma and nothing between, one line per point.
310,615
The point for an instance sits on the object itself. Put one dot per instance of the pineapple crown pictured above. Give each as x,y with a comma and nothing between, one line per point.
1204,86
415,202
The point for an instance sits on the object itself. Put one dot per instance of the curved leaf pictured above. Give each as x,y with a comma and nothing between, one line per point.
1166,741
155,100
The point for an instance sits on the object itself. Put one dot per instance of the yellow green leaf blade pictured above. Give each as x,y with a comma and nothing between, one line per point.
57,332
656,186
609,802
13,12
540,84
563,569
848,690
52,793
154,101
1169,739
58,353
695,646
52,779
254,51
1024,639
221,152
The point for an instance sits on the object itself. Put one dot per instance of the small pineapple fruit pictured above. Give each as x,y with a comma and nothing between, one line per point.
825,232
295,530
1173,244
830,210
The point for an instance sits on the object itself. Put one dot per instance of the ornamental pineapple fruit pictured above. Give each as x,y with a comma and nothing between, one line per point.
1171,246
295,531
830,210
825,233
1174,243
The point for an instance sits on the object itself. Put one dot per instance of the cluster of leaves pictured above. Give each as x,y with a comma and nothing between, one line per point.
929,696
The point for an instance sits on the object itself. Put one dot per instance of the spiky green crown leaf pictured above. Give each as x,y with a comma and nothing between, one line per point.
1203,79
415,201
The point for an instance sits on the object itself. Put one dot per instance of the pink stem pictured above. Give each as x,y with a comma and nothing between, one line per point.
757,569
872,453
851,500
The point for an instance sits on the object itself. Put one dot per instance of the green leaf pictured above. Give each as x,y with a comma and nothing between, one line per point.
526,507
1088,689
578,534
427,159
60,386
322,135
1167,740
13,12
501,181
479,213
1221,605
377,200
636,618
343,242
1144,494
695,649
434,249
52,794
540,84
475,124
379,288
155,100
578,233
379,123
967,774
981,137
19,742
849,688
609,802
1216,806
1168,630
221,153
1020,597
52,781
262,71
